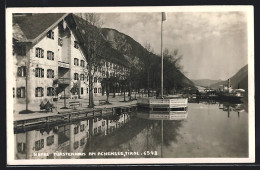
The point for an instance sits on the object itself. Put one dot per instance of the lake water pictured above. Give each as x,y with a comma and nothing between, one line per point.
206,130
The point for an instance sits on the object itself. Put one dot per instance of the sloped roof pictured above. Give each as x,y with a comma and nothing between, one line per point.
30,28
106,51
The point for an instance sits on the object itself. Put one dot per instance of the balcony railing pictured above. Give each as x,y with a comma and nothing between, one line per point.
63,64
64,81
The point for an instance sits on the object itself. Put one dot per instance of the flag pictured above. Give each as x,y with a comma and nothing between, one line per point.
163,16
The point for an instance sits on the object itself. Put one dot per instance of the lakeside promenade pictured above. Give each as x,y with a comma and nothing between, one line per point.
115,102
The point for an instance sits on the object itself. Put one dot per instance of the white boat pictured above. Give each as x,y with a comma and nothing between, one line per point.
176,104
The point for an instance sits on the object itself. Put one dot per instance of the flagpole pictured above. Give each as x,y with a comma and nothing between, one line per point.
162,57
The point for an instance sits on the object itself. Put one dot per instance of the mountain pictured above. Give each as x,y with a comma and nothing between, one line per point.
205,82
132,49
239,80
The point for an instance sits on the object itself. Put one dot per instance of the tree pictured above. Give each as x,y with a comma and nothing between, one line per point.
93,44
147,63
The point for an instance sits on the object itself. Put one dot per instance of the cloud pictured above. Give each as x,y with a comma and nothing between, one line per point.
205,36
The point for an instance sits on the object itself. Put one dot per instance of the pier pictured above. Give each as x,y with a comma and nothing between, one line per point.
71,116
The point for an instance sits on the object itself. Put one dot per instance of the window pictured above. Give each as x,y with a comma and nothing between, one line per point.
21,50
87,90
107,63
60,41
87,78
21,147
39,144
99,90
95,79
99,129
95,68
76,44
50,73
95,90
82,76
39,92
82,128
76,61
21,92
50,55
103,123
39,72
76,130
95,130
99,69
76,76
82,90
76,144
39,52
50,34
111,74
21,72
103,73
82,141
50,140
50,91
82,63
87,66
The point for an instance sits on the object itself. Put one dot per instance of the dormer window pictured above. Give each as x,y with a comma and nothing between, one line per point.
50,34
76,44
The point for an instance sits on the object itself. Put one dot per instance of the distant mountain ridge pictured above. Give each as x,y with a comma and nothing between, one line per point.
239,80
131,48
205,82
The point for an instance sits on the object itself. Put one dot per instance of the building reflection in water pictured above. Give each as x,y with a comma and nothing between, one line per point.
51,142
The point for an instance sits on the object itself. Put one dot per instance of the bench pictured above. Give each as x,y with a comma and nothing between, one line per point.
75,104
48,106
101,102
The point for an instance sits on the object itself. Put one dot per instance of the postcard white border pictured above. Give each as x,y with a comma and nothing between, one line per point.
9,80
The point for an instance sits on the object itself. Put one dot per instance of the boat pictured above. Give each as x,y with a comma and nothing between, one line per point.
229,94
174,104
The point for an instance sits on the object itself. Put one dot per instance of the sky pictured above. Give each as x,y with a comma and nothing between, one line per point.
213,44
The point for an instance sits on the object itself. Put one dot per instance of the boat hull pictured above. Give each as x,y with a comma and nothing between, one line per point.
177,104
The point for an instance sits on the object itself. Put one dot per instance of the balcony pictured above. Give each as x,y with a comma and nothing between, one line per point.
65,81
63,65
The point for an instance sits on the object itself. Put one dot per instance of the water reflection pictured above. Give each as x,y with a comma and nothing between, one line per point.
206,130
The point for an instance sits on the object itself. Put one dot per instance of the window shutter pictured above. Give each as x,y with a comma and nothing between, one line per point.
42,90
42,72
24,71
52,57
19,72
52,73
36,92
18,92
42,53
36,72
42,143
36,52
